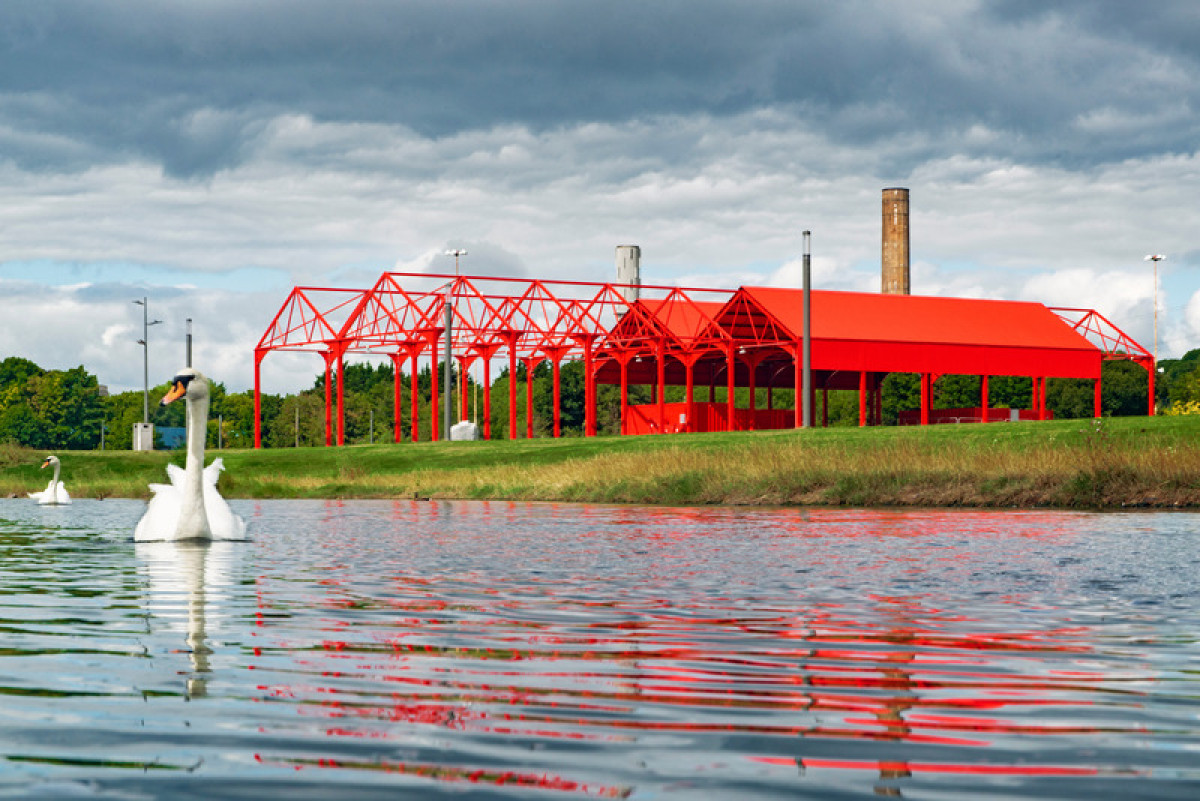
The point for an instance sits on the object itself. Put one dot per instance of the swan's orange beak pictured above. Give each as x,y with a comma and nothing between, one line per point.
174,393
45,464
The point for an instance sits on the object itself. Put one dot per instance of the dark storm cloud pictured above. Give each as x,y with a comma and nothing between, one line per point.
192,85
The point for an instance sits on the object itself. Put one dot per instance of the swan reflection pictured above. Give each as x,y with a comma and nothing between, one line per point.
190,586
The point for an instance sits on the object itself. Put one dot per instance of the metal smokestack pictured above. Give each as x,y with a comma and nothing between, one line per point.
895,242
629,270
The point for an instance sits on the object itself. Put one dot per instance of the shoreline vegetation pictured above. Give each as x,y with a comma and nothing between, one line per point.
1109,463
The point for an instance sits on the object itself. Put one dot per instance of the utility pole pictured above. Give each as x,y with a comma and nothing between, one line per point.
807,419
143,439
1156,258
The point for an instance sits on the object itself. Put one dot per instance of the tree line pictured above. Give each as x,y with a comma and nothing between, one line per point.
68,409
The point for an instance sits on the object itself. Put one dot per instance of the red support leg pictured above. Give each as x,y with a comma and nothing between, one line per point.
752,369
328,402
624,394
589,392
1153,406
557,399
258,357
433,390
983,399
798,363
661,396
341,397
512,388
529,365
926,392
862,398
397,360
414,414
487,398
691,409
729,387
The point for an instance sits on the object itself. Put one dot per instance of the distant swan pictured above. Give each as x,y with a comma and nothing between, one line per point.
55,494
190,507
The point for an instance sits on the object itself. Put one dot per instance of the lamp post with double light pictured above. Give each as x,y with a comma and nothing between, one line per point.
1156,258
144,440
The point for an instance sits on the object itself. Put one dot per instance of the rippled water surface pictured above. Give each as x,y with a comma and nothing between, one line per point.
496,650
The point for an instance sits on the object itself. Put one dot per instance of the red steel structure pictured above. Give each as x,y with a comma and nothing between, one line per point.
687,337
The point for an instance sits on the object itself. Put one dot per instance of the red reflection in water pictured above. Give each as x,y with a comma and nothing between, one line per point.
616,669
942,767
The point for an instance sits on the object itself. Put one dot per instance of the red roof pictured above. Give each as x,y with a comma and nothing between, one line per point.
918,319
853,331
684,320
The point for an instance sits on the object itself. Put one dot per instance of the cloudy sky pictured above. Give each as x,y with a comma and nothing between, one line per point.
212,154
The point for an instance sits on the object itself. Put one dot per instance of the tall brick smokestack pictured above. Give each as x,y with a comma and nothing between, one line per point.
895,242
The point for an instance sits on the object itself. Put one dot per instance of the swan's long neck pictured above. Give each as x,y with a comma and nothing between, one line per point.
193,520
54,481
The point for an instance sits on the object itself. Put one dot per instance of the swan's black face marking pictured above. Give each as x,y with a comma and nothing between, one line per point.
179,385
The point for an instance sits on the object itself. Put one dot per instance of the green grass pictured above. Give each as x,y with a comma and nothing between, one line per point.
1114,463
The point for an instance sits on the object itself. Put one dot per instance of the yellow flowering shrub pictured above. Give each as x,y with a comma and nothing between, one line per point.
1181,407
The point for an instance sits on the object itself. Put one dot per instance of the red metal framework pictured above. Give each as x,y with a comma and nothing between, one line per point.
676,336
525,320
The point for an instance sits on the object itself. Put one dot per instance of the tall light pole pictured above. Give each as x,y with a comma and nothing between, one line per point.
1156,258
456,253
146,323
806,383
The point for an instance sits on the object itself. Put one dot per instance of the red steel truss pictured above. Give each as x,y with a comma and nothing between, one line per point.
675,336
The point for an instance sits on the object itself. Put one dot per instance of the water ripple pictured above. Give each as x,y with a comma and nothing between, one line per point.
602,652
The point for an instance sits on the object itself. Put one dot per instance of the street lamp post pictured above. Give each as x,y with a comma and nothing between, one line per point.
146,323
456,253
1156,258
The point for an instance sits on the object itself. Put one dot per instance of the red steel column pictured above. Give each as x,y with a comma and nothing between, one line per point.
624,359
487,398
926,392
433,388
688,366
414,415
661,399
397,360
752,368
730,362
258,357
1098,409
589,391
557,399
983,398
798,354
1152,369
328,402
341,397
511,341
862,398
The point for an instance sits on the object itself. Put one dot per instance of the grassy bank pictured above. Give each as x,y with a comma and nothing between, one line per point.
1114,463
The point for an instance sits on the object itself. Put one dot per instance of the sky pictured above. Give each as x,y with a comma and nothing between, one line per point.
209,155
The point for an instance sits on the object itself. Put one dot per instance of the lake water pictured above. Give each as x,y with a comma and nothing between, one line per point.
416,649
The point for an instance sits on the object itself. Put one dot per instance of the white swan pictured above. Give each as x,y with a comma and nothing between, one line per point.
190,507
55,494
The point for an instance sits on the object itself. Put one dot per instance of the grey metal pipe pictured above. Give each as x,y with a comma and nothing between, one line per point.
807,419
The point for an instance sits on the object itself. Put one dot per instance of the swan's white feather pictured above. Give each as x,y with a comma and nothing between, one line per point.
55,494
190,507
162,515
